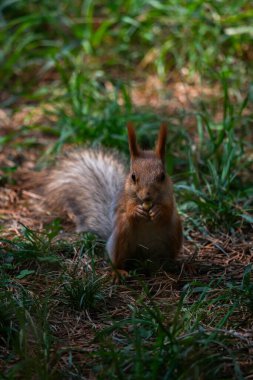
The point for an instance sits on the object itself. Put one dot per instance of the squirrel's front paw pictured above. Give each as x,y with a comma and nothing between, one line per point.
140,212
155,213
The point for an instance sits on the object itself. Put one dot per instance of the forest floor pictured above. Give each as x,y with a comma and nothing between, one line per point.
205,314
75,73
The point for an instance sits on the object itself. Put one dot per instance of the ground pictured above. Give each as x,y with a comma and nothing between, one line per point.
217,267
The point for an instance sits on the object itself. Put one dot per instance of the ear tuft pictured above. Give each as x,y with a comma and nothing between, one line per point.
133,147
161,142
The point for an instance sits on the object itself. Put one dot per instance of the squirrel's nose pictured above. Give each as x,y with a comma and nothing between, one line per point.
144,195
147,198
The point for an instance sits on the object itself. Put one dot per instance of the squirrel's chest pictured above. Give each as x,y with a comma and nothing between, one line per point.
150,239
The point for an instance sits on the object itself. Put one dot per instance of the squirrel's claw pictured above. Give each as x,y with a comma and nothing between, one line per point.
118,274
155,212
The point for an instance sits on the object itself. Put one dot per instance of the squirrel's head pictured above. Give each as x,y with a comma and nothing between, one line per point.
148,180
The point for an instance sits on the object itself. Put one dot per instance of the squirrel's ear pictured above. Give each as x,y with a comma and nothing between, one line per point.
133,147
161,142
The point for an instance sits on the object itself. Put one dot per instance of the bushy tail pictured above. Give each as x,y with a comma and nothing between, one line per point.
86,184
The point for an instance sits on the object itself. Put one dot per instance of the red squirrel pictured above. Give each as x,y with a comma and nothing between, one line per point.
135,213
146,223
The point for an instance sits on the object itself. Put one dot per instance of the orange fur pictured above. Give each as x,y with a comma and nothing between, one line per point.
138,234
133,147
94,187
161,142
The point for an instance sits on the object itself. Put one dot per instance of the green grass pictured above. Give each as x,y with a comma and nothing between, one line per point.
189,342
217,162
197,336
42,39
85,294
78,64
32,249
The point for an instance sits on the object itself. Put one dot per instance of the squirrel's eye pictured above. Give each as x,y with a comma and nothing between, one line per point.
162,177
133,177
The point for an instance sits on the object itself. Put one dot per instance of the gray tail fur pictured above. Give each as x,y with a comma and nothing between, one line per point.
86,184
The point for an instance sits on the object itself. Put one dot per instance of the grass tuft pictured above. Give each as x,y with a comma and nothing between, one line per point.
86,293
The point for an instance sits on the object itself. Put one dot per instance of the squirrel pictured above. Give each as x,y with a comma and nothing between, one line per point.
134,212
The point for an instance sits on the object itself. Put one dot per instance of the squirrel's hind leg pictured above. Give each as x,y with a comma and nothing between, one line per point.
117,249
119,246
